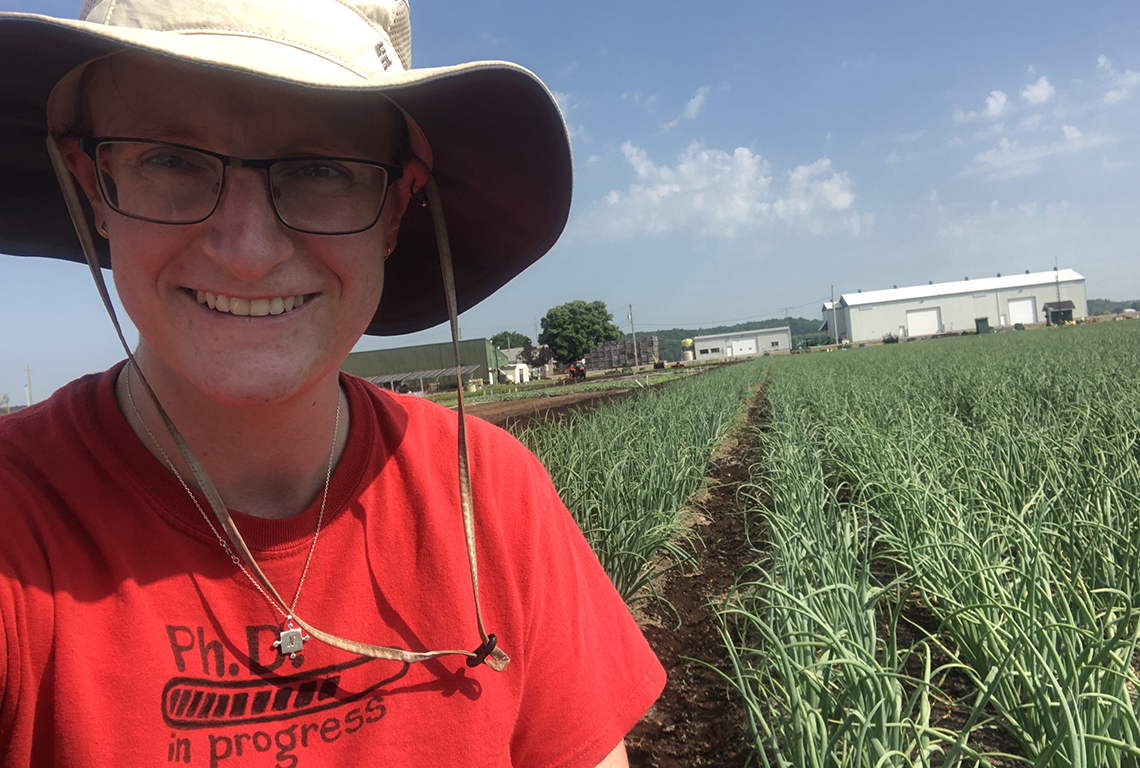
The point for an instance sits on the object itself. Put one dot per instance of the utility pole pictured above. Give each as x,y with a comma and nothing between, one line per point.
834,327
29,367
633,332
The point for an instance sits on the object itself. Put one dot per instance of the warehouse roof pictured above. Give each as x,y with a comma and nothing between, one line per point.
391,378
960,286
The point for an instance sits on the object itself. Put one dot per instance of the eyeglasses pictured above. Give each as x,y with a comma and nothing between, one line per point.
175,184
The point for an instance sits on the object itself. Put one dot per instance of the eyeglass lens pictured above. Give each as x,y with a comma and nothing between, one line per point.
173,185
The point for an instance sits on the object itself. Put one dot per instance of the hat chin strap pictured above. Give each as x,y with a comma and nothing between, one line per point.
488,652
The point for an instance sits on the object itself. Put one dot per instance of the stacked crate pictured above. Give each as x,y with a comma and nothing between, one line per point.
619,353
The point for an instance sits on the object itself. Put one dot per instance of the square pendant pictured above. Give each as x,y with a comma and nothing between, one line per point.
292,641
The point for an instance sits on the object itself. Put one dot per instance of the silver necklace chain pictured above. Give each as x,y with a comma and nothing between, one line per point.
221,540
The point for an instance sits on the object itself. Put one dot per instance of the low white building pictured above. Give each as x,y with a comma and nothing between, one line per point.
515,373
924,310
742,343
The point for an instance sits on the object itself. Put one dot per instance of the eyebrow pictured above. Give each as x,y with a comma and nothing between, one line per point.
145,128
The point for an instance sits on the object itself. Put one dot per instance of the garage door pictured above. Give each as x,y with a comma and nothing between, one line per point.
744,346
1023,310
923,322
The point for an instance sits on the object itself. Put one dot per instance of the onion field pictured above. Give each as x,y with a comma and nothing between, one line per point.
626,469
949,571
941,557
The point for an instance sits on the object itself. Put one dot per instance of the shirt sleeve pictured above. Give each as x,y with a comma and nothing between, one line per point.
589,672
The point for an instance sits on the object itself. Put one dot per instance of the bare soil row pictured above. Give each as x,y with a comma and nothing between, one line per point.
697,721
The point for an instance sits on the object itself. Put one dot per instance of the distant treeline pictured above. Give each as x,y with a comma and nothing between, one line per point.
669,341
1110,307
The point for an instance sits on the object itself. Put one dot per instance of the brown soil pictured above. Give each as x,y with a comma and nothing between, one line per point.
517,414
698,721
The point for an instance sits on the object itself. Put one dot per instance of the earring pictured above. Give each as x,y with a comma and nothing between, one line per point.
101,226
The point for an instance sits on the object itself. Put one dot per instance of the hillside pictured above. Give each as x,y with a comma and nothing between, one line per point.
669,340
1110,307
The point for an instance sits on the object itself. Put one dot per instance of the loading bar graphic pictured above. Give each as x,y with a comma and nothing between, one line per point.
193,702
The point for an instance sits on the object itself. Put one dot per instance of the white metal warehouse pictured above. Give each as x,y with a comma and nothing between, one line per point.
742,343
924,310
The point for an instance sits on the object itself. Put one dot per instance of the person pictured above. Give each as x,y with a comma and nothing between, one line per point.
223,551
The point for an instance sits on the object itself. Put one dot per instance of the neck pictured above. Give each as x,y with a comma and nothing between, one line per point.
269,461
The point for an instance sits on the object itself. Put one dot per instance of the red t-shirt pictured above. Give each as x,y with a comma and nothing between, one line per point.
128,637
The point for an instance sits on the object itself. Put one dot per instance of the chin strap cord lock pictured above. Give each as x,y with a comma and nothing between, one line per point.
483,651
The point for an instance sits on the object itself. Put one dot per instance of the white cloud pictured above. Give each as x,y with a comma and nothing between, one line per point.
1013,224
810,188
1031,123
995,103
1039,92
1112,165
692,109
994,130
910,136
995,106
592,160
1121,84
647,103
695,103
711,192
1010,159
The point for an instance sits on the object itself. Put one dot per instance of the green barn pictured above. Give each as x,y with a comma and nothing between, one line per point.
422,365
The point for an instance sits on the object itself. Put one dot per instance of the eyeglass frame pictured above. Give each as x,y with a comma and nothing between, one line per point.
90,147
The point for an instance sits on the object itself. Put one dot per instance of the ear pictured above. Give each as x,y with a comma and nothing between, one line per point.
412,181
83,168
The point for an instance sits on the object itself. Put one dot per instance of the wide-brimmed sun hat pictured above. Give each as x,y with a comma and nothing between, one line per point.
490,131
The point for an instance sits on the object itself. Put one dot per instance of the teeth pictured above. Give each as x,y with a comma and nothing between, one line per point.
249,307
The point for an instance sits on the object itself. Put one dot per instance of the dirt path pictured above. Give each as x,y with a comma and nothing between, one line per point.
517,414
697,721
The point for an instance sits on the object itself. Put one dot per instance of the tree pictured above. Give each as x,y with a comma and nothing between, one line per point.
536,357
573,329
509,340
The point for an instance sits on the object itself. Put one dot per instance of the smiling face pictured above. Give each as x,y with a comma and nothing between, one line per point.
239,306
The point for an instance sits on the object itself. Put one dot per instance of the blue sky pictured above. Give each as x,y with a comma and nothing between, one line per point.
735,160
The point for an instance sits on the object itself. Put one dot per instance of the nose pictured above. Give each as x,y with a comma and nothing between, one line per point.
245,236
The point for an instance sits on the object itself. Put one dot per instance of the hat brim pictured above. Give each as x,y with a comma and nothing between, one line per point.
501,156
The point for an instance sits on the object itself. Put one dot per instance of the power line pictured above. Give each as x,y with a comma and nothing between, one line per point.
776,313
